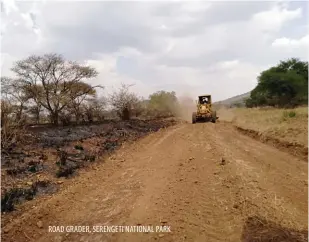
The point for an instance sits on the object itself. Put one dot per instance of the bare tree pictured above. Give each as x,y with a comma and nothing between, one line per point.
78,93
13,90
50,78
95,108
139,107
35,111
12,132
35,93
6,111
124,101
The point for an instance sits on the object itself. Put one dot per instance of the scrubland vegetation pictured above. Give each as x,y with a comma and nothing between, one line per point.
277,107
49,89
290,125
54,122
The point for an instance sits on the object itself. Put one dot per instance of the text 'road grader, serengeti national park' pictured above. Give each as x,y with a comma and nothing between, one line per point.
204,110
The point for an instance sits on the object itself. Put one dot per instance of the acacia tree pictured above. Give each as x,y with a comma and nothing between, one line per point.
124,101
77,94
94,108
50,77
13,91
35,94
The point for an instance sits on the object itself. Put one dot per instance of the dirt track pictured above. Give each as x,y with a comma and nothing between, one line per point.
202,180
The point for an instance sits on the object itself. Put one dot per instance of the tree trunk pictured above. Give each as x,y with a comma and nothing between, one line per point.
125,114
55,118
77,117
37,116
19,114
89,117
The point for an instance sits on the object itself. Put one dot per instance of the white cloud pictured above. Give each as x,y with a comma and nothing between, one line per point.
6,63
195,6
106,65
193,47
27,20
285,47
228,64
9,6
210,39
291,43
275,18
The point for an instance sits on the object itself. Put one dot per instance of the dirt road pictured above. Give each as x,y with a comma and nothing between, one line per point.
206,181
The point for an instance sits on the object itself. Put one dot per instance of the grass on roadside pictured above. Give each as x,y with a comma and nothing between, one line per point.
289,125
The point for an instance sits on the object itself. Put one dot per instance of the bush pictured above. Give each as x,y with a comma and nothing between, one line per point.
288,114
163,104
124,102
14,196
12,133
284,85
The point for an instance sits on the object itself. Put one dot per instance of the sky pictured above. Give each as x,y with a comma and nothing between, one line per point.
190,47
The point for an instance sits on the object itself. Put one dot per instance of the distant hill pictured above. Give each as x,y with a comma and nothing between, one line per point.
234,101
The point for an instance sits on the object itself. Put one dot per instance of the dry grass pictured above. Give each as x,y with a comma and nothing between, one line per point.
289,125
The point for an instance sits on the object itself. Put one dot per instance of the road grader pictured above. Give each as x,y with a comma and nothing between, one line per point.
204,110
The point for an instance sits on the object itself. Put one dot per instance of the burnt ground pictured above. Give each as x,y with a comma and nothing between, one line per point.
56,153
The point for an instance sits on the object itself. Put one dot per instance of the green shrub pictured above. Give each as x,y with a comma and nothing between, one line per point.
288,114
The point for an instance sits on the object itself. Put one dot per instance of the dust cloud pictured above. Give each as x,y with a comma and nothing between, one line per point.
187,107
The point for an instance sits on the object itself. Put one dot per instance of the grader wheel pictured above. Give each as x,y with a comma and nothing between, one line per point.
193,118
214,117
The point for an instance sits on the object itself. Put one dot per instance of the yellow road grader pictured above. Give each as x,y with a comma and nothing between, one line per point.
204,110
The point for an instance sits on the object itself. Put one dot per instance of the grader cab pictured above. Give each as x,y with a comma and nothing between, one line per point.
204,111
